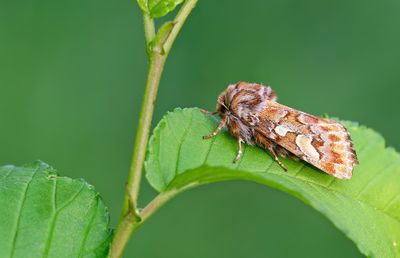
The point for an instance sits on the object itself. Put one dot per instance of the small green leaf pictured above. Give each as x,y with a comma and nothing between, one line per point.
44,215
159,8
366,208
143,5
157,44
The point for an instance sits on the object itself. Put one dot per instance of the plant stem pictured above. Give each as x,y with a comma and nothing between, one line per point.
130,220
130,224
156,67
156,203
179,21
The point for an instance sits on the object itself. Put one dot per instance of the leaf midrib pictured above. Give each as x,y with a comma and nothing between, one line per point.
292,178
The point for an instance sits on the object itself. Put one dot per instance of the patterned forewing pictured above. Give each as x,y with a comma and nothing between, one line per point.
324,143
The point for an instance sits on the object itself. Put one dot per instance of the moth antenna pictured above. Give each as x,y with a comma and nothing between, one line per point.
208,112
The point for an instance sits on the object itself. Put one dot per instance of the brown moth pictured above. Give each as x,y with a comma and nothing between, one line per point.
253,116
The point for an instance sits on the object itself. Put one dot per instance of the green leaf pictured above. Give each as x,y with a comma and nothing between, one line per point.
143,5
159,8
366,208
157,44
44,215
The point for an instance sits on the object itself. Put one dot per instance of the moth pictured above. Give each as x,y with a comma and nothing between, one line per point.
253,116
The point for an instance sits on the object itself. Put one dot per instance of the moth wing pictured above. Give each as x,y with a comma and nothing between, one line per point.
324,143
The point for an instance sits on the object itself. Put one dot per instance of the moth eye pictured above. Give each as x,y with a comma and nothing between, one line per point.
222,110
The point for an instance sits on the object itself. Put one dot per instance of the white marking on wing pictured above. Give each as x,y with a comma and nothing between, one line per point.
304,144
282,130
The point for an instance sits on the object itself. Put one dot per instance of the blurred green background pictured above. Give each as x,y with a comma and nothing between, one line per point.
72,75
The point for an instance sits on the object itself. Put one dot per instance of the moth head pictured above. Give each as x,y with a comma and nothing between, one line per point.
222,107
243,97
223,103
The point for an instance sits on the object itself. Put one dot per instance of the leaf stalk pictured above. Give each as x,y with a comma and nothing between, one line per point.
131,219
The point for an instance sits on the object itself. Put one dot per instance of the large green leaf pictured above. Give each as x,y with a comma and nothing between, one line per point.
366,208
44,215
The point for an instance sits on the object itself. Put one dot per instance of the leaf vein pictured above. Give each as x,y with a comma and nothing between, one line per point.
376,175
209,149
20,211
269,166
8,173
330,183
184,135
87,230
53,221
55,195
302,166
390,202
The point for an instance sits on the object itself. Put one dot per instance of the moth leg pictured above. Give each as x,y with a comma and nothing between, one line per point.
284,153
239,151
219,128
208,112
271,150
261,139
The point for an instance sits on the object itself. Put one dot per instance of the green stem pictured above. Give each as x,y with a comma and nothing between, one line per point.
156,203
179,21
156,67
129,223
130,219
